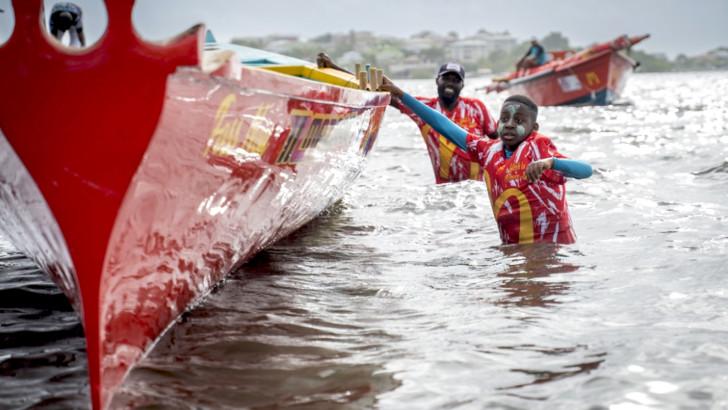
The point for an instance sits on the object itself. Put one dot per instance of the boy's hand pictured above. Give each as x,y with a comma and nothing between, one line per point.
388,86
536,168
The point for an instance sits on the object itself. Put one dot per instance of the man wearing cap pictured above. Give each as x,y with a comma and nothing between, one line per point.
449,162
67,17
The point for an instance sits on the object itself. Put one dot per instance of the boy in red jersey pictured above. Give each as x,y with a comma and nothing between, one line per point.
450,163
523,170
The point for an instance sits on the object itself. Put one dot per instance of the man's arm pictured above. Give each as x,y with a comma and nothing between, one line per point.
324,61
488,125
528,52
436,120
81,37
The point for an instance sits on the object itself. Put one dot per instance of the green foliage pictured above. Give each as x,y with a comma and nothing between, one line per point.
249,42
304,51
651,63
713,60
433,54
323,38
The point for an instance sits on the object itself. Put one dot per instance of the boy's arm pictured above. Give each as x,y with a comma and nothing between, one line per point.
571,168
397,103
436,120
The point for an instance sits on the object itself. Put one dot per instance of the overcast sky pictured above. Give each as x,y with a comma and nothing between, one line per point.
676,26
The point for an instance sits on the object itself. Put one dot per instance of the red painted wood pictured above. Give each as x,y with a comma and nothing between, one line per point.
81,121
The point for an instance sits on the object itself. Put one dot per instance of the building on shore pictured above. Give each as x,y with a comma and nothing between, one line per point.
479,46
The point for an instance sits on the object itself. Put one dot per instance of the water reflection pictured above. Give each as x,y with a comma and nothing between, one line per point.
526,279
545,376
274,335
41,340
532,280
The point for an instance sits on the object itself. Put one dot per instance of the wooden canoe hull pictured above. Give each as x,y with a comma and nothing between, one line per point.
137,181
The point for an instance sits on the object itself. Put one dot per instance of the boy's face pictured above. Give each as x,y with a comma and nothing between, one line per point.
515,124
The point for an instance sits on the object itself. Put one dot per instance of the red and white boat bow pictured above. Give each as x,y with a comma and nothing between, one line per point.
137,179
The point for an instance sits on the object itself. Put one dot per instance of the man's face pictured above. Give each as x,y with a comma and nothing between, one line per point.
515,124
449,86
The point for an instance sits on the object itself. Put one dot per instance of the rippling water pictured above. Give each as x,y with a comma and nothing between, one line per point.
401,296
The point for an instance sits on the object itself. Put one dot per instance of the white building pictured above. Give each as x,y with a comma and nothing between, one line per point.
474,48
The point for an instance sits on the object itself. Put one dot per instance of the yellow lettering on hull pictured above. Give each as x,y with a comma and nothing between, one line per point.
592,78
225,132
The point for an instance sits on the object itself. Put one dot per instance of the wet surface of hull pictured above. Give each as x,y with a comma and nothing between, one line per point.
153,179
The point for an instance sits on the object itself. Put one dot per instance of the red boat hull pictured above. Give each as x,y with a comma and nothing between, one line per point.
138,185
233,167
595,76
598,80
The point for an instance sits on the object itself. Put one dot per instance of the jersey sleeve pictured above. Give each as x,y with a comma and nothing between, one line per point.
487,125
547,149
478,146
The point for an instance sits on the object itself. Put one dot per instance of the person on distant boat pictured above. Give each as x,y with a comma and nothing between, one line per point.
534,57
523,171
67,17
449,162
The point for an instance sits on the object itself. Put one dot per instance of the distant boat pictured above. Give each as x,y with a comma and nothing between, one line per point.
595,76
137,175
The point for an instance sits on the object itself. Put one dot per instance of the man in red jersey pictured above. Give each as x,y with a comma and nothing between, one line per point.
449,162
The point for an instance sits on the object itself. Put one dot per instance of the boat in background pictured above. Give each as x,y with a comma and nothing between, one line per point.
137,175
595,76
